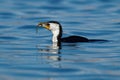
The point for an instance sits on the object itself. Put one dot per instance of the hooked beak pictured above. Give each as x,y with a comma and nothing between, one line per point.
40,24
44,25
37,27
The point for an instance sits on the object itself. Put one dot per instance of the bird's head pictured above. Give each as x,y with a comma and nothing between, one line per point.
50,25
55,27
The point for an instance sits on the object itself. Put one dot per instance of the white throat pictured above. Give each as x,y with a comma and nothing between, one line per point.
55,35
55,30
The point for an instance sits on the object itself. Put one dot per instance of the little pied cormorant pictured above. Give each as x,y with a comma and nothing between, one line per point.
56,29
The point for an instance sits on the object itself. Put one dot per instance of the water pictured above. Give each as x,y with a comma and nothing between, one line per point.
25,55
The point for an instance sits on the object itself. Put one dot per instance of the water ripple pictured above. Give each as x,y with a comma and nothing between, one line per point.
27,55
27,27
7,15
9,38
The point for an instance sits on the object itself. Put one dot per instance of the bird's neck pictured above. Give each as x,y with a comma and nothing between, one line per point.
56,39
56,36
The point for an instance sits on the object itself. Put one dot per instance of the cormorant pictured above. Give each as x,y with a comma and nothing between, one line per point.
56,29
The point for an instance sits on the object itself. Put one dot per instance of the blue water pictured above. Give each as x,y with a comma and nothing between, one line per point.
25,55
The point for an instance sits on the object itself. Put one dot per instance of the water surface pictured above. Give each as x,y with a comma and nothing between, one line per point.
25,55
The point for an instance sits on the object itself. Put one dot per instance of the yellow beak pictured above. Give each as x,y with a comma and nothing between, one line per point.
44,24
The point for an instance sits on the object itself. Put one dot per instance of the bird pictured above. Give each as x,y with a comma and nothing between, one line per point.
56,28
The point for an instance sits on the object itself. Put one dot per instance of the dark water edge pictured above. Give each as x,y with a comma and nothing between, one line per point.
25,55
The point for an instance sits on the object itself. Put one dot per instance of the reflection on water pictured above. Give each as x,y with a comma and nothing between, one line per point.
53,52
21,59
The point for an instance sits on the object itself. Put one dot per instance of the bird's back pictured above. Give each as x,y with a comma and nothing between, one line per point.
72,39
